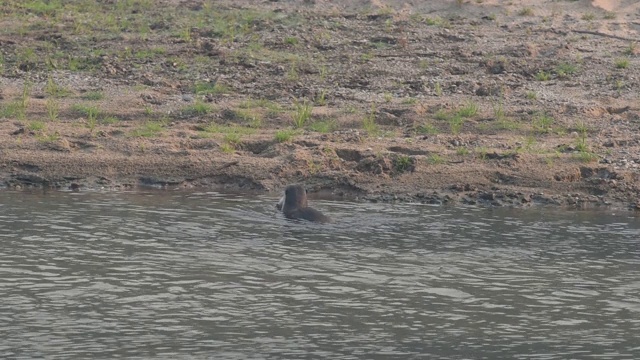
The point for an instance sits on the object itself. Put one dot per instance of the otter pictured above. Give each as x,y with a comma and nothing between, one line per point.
294,205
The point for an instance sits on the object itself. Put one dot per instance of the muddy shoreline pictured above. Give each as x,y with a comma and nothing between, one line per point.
473,102
230,177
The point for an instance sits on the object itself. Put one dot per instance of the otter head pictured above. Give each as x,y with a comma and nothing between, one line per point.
295,197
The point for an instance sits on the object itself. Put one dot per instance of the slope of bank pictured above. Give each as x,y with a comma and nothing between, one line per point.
445,102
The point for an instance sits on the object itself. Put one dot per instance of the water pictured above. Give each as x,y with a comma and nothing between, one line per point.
206,275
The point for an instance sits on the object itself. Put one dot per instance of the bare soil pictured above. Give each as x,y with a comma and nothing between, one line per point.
476,102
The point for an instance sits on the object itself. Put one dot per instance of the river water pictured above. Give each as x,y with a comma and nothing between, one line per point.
168,275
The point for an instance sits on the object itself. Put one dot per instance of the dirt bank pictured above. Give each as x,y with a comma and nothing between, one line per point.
478,102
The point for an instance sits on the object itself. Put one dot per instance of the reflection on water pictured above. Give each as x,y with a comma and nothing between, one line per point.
177,275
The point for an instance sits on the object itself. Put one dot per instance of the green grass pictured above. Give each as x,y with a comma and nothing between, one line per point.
438,89
321,99
91,114
409,101
291,41
427,128
462,151
232,138
436,21
209,88
37,126
468,110
455,123
149,53
149,129
292,74
442,115
47,138
369,122
227,148
543,76
86,111
366,56
435,159
302,113
110,120
531,95
54,90
250,116
284,135
53,109
482,152
272,108
213,128
507,124
11,110
542,123
402,163
586,156
93,96
324,126
622,63
565,69
197,109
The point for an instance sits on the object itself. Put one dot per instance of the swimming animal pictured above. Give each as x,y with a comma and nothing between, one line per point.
294,205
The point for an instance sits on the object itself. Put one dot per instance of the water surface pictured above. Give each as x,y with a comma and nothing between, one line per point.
209,275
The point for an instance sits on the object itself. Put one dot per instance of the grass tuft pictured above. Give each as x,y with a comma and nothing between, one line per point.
284,135
302,113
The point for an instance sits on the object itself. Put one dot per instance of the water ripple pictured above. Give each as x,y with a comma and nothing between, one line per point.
209,275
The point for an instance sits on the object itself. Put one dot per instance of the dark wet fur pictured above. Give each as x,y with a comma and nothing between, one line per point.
295,206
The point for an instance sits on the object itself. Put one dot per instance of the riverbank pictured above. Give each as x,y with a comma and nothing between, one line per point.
455,102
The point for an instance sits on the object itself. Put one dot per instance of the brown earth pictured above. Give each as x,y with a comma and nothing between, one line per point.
490,102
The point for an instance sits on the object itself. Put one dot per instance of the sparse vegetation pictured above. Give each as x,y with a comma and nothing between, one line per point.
403,163
435,159
543,76
211,88
631,49
197,109
302,113
369,122
54,90
542,123
566,69
622,63
426,129
90,114
455,123
284,135
438,89
324,126
149,129
99,76
37,126
52,109
93,95
482,152
291,41
321,98
470,109
527,11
